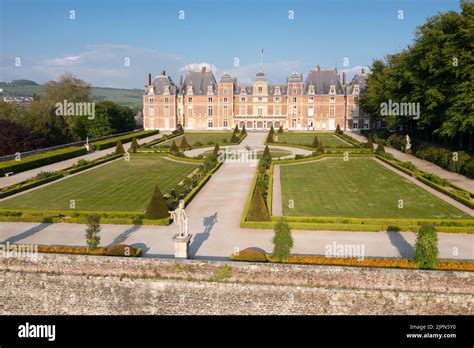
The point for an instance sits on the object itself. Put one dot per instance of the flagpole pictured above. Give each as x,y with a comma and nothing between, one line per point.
261,59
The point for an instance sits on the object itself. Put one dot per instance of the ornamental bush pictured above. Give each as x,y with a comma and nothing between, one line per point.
315,143
320,149
174,149
369,144
426,247
282,241
119,148
280,130
184,144
338,130
157,208
258,210
249,254
121,250
134,145
380,149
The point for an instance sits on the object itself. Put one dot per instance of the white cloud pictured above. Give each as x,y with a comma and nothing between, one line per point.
198,67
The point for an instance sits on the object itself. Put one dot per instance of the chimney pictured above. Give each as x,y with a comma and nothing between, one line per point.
362,70
181,80
344,78
149,79
203,69
319,68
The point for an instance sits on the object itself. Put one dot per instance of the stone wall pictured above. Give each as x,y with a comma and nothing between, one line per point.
73,284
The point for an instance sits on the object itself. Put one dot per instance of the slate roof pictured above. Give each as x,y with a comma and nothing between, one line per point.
322,79
200,81
360,80
161,81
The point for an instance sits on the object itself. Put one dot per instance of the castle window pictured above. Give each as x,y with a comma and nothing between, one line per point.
151,100
209,110
225,123
260,90
167,100
209,99
242,99
260,111
277,110
332,110
210,124
332,89
277,90
225,100
294,91
259,99
166,90
225,110
311,90
167,110
189,90
356,89
242,110
294,99
277,99
190,99
332,99
225,91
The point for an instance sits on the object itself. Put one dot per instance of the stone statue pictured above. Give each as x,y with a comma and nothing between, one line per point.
88,148
180,218
408,145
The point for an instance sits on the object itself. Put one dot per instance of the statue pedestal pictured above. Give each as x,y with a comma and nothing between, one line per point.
181,246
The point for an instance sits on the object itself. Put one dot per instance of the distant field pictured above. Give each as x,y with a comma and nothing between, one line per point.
359,188
201,137
328,139
117,186
129,97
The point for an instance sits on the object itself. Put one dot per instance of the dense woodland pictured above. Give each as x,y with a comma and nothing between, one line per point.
37,125
437,71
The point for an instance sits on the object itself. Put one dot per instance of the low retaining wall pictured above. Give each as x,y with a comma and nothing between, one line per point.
77,284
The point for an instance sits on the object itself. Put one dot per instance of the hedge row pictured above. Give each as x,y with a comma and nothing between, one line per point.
100,161
114,250
349,139
164,138
243,218
17,188
433,185
441,189
111,142
40,160
107,217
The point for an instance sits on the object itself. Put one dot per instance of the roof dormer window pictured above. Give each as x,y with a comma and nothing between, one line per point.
210,90
356,89
166,89
189,90
332,89
277,89
311,89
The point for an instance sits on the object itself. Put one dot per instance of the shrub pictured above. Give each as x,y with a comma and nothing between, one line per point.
436,179
119,150
249,254
134,146
315,142
215,152
270,137
234,138
320,149
280,130
236,128
258,210
408,165
243,131
397,141
174,149
282,241
369,144
266,153
380,149
121,250
184,144
338,130
92,231
157,208
179,130
426,247
111,142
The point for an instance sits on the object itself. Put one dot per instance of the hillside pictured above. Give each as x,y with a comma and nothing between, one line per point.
129,97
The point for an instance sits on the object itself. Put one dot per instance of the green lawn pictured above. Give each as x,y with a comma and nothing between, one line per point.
209,138
328,139
117,186
359,187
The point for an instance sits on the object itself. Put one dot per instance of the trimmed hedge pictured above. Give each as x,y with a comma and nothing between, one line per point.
93,164
349,139
111,142
441,189
23,186
249,255
40,160
123,250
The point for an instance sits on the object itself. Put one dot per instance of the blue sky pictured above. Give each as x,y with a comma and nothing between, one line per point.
105,33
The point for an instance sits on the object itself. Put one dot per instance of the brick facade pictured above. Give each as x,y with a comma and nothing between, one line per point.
321,102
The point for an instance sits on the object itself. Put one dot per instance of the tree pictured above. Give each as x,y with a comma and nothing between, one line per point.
315,142
236,129
426,247
280,130
380,149
320,149
92,231
234,138
369,144
134,146
156,208
184,144
215,153
243,131
266,153
258,210
270,137
282,241
174,149
119,150
272,130
338,130
16,138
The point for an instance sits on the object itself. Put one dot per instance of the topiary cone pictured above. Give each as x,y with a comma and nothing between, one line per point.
157,208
